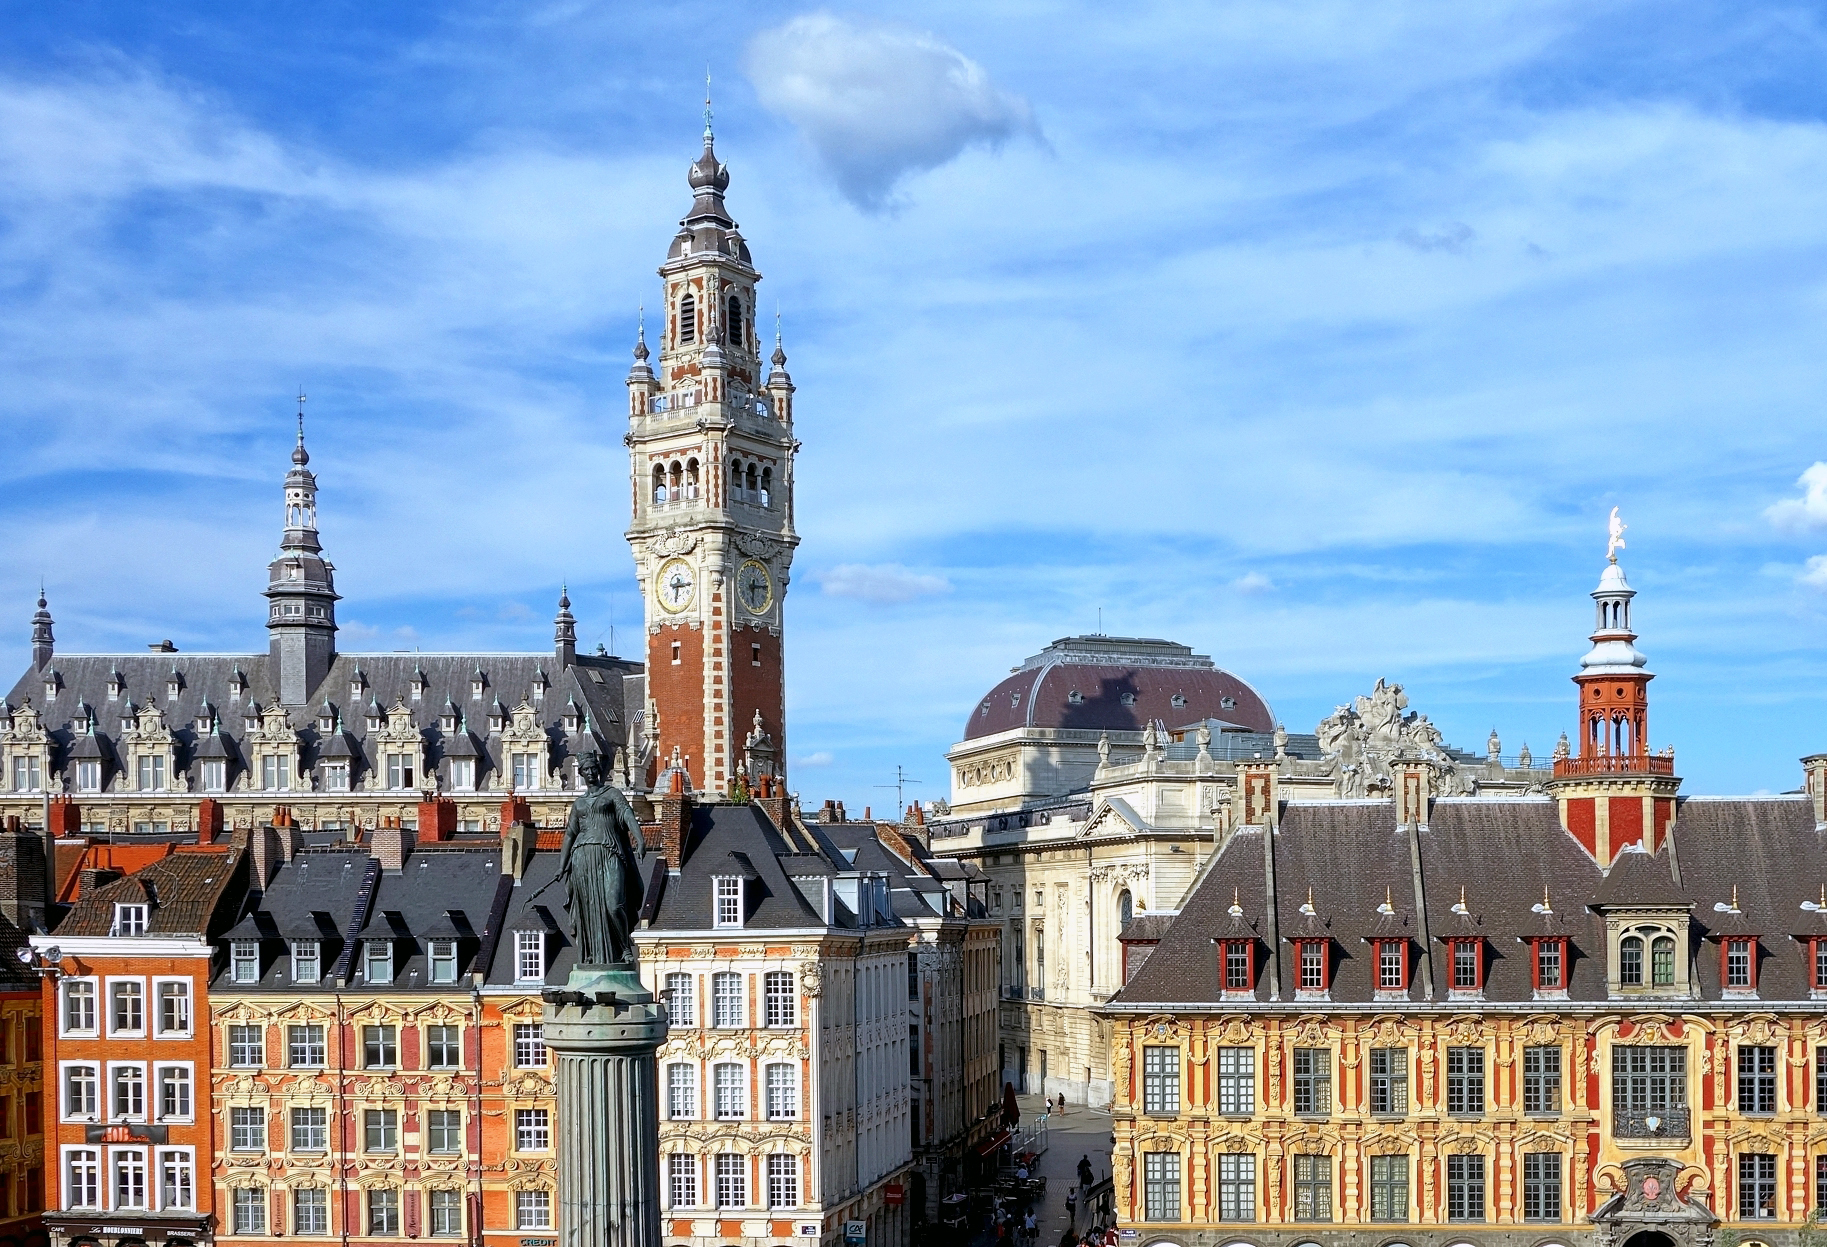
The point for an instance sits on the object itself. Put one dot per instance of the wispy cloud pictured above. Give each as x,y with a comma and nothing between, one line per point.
880,101
1252,582
1814,572
884,583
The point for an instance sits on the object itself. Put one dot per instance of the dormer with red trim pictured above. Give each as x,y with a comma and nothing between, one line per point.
1239,955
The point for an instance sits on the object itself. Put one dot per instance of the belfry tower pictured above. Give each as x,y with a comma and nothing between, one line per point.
1614,792
711,448
301,589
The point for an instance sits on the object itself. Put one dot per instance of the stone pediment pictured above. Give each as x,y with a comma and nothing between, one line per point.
1652,1201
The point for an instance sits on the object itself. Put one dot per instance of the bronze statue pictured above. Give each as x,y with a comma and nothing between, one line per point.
601,869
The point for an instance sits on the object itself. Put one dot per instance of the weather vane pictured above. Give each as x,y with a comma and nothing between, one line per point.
1615,538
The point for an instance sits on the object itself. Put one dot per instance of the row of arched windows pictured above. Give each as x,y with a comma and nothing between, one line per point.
675,482
750,483
678,481
733,321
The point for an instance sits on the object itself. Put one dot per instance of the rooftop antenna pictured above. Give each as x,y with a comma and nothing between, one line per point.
900,781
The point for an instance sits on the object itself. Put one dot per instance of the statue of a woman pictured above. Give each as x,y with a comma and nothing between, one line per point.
601,869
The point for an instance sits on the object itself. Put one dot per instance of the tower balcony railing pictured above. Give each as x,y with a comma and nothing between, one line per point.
1616,764
678,400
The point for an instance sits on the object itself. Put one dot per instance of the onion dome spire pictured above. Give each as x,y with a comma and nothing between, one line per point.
564,629
641,371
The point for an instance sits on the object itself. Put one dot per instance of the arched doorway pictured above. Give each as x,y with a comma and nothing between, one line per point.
1649,1238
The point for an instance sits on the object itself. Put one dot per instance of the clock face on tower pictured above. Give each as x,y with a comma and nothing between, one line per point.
675,585
755,587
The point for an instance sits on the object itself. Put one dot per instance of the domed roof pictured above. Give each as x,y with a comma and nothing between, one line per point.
1117,684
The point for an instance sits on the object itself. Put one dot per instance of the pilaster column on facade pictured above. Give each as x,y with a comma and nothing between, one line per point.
605,1045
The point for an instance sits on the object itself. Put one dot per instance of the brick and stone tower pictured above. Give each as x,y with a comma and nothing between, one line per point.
1615,792
711,451
301,590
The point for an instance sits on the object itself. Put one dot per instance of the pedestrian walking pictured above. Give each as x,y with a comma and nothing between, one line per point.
1084,1170
1072,1206
1062,1104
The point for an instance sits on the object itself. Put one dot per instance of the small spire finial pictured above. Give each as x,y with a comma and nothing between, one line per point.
299,456
707,105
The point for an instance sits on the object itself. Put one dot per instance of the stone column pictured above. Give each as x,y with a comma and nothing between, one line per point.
605,1040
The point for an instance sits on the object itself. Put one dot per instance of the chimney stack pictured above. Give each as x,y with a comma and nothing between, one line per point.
1814,768
437,819
23,886
674,822
209,820
390,844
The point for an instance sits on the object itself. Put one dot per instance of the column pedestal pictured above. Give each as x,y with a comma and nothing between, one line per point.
605,1029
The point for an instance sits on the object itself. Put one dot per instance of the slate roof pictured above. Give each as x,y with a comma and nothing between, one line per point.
1502,856
610,691
450,890
1121,684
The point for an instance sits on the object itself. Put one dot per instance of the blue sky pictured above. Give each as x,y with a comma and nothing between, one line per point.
1319,336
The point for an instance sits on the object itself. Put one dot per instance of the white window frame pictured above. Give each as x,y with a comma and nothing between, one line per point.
526,770
529,956
322,1045
66,1110
781,1079
783,1180
442,956
275,772
214,775
780,999
185,1160
336,776
187,1079
320,1129
532,1130
372,956
244,961
458,1043
158,1003
726,901
733,1093
683,1178
321,1205
681,1091
111,1111
529,1040
463,774
95,1003
533,1210
130,919
721,1003
307,961
91,1159
88,775
239,1203
132,1032
259,1143
151,772
452,1228
228,1045
681,989
118,1160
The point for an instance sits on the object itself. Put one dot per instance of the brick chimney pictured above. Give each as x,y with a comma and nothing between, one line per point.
517,840
1256,794
437,819
22,879
515,810
89,878
390,844
668,838
775,802
209,820
66,818
266,852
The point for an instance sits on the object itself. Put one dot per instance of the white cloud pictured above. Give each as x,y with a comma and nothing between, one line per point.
884,582
1807,512
1815,572
822,758
1252,582
878,102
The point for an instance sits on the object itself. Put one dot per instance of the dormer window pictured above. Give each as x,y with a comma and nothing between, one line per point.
250,718
326,722
1075,698
529,956
236,687
1648,957
1817,963
374,718
114,687
496,721
1179,701
356,682
1392,965
172,686
1738,964
1313,965
447,723
1227,703
1128,699
475,686
1548,964
727,893
1237,964
377,961
1466,957
50,686
570,723
129,920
